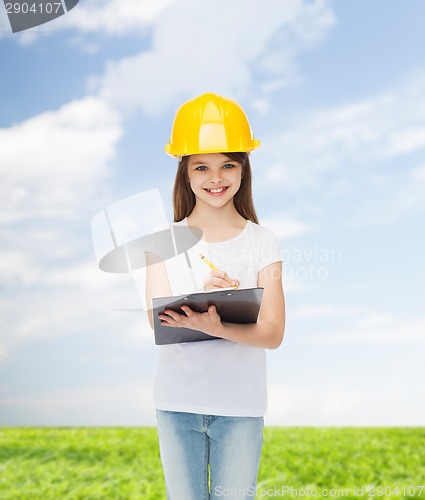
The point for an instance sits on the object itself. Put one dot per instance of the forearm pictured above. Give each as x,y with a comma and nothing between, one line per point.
261,334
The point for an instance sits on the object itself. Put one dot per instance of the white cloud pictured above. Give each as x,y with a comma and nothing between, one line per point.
115,17
418,174
294,286
380,333
353,139
376,320
50,163
72,298
337,404
261,105
130,404
54,167
410,196
364,159
284,226
325,311
265,41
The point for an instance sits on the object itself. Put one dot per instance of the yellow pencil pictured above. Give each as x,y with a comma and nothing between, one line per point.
208,262
211,265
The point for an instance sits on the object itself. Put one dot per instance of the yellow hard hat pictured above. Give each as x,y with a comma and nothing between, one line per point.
210,124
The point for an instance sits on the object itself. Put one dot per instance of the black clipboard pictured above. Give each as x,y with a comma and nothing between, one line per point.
233,306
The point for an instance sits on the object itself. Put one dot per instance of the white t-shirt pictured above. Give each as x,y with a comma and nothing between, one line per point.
217,377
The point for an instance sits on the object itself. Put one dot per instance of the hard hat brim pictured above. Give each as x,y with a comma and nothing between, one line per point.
176,153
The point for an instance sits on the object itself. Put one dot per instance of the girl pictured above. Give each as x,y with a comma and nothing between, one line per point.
211,395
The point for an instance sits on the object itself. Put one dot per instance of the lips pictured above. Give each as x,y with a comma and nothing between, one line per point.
216,191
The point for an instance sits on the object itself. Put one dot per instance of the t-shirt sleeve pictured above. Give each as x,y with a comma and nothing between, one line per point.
270,250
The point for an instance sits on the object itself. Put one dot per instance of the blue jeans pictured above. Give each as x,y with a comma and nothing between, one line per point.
231,446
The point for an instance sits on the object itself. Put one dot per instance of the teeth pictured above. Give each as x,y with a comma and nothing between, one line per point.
216,190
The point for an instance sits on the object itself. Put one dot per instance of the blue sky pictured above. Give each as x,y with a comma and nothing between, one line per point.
335,91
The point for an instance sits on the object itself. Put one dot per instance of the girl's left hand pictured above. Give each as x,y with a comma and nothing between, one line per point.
208,322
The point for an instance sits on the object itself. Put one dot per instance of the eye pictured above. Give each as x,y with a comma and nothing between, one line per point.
201,168
228,165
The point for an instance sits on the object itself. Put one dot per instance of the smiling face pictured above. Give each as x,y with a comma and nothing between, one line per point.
233,164
214,178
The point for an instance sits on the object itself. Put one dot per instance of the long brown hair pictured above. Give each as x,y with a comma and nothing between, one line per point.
184,198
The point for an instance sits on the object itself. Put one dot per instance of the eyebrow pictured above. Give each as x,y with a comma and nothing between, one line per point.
206,163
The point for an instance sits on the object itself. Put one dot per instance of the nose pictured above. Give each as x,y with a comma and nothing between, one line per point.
216,177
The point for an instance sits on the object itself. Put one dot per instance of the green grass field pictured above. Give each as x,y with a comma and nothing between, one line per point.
124,463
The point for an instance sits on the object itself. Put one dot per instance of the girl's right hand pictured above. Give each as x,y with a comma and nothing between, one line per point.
219,279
